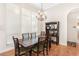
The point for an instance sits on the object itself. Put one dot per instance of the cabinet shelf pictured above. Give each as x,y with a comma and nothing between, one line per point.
52,30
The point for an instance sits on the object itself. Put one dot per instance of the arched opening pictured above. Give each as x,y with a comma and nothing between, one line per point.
72,31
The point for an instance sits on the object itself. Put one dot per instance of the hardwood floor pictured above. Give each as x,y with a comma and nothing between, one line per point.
8,53
55,51
64,51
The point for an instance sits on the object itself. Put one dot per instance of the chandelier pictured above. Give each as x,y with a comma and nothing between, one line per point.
41,15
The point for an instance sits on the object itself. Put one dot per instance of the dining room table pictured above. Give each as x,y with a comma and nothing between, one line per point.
28,44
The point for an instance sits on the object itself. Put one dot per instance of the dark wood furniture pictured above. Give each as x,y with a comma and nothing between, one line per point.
29,44
32,43
25,36
41,46
52,30
19,49
73,44
33,36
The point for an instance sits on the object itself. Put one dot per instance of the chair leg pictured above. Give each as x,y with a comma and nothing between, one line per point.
37,53
43,53
16,55
30,52
57,40
49,44
47,51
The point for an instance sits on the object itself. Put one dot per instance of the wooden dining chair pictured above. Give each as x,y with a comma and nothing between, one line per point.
40,47
25,36
19,49
33,35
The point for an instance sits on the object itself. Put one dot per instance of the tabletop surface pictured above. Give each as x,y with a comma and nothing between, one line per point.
30,42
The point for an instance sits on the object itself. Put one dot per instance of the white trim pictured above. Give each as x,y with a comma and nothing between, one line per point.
64,44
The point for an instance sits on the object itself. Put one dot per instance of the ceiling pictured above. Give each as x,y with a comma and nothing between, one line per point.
37,6
45,6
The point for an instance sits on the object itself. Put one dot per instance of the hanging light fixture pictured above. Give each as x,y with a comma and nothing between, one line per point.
41,15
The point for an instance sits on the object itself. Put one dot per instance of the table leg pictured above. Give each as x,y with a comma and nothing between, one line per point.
30,52
49,44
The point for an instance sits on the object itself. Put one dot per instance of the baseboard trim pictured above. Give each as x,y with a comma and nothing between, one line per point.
62,44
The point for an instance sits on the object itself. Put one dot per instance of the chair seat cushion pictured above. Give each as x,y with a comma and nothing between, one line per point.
24,51
36,48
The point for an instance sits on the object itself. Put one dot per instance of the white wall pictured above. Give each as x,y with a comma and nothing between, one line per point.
29,21
13,22
2,27
26,21
59,13
9,25
34,22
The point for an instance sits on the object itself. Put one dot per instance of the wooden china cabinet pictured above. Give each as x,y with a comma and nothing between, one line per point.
52,31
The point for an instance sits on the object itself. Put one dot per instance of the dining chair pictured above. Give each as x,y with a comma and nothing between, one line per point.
33,36
41,47
19,49
25,36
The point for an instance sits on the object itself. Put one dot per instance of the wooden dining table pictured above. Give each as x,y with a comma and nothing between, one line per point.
31,42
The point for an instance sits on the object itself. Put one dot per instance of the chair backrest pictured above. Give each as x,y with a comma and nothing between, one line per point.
33,35
41,40
41,43
16,44
43,33
25,36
